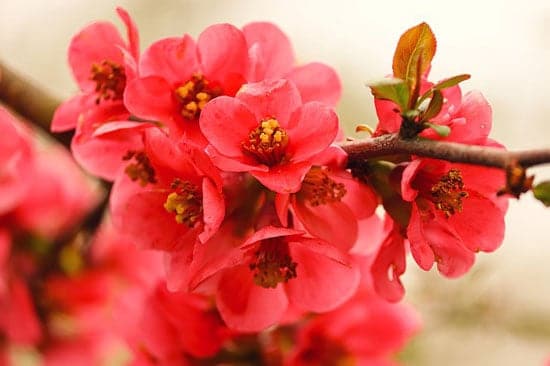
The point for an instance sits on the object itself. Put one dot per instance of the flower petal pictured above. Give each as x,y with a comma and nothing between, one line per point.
322,283
286,178
246,307
315,127
226,123
173,59
150,98
272,54
317,82
223,56
271,99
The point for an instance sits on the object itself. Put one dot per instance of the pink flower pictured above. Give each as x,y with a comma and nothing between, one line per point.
330,202
267,131
102,64
169,196
455,213
365,330
17,162
276,267
178,77
271,57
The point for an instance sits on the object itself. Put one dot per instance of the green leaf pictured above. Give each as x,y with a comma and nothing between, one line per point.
442,131
392,89
444,84
542,192
434,107
452,81
414,52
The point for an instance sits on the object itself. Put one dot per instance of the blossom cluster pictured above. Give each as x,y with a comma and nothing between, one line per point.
233,208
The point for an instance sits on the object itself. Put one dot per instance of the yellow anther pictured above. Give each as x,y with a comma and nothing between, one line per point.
191,106
202,96
268,131
194,94
185,203
278,136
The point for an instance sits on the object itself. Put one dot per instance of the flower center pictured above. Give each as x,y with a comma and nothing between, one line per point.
141,169
447,194
110,80
272,264
267,142
321,350
185,202
319,189
194,94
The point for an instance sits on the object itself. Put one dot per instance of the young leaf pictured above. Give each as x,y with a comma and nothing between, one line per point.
416,45
434,107
452,81
441,130
542,192
392,89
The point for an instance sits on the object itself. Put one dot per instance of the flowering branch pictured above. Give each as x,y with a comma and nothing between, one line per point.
391,144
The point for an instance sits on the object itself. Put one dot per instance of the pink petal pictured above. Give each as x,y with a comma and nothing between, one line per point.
480,224
388,266
18,318
67,115
223,55
271,99
246,307
478,114
142,217
281,206
360,197
102,153
226,123
96,43
317,82
132,31
321,284
268,232
273,56
453,258
243,164
389,119
173,59
285,178
150,98
214,209
370,236
333,222
315,127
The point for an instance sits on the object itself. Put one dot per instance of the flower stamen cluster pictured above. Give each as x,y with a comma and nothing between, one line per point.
267,142
141,170
110,80
447,194
194,94
185,202
273,264
319,189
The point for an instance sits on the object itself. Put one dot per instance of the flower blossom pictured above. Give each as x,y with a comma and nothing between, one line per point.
267,131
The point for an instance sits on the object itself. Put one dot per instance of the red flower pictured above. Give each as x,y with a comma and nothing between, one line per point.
330,202
365,330
267,131
169,196
178,77
455,213
276,267
271,57
102,64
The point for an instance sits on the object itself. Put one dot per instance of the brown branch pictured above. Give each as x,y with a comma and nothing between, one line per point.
29,101
391,144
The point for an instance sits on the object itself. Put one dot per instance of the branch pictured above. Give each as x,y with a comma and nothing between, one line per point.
391,144
29,101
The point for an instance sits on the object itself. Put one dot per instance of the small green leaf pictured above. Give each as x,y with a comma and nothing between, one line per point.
434,107
441,130
415,51
392,89
542,192
452,81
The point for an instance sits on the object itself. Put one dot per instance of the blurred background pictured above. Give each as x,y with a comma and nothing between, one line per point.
499,314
